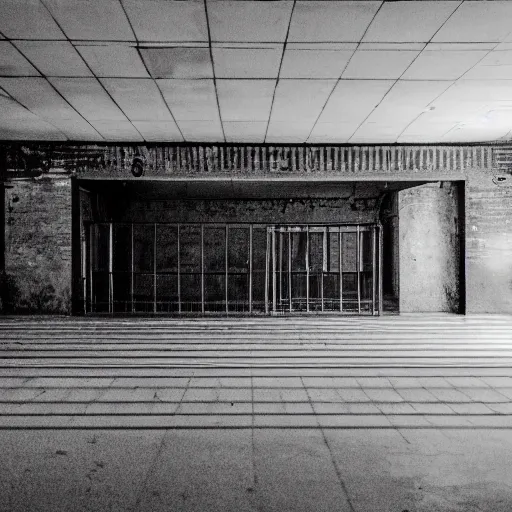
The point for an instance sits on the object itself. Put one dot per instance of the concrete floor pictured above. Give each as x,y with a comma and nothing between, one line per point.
389,470
393,414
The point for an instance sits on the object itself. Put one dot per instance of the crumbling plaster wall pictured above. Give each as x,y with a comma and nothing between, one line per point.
38,246
429,240
488,245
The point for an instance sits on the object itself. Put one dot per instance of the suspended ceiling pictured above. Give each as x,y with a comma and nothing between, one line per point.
307,71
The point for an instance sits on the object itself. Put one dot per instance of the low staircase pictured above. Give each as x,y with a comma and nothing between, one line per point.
410,371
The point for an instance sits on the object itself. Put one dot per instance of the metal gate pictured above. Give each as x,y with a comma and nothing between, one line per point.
325,269
230,269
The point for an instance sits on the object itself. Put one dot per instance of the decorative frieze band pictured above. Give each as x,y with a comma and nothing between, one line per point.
259,160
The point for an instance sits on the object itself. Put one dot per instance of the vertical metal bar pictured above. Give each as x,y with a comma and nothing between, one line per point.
340,246
324,266
290,270
179,269
267,270
358,272
380,270
250,269
154,268
202,269
110,268
132,272
374,264
274,290
280,234
91,264
84,272
226,265
307,269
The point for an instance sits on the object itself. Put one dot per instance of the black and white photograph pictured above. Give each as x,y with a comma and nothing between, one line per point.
256,255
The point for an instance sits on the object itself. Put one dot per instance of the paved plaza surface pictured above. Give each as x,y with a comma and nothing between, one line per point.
406,413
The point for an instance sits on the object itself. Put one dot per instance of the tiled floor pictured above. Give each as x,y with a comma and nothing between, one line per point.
410,413
275,372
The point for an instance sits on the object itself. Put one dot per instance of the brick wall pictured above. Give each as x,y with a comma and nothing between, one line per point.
38,229
38,246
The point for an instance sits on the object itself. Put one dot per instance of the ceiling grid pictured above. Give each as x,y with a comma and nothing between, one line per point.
254,71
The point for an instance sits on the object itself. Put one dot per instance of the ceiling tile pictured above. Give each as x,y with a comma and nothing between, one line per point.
161,20
477,21
233,63
243,131
201,131
442,65
423,129
245,100
117,131
249,21
158,131
379,64
12,62
139,99
30,20
332,132
89,98
377,136
322,46
495,65
463,46
77,129
409,21
102,20
331,20
405,101
191,100
475,134
353,100
288,132
477,91
16,122
314,63
178,62
37,95
54,58
113,60
391,46
300,100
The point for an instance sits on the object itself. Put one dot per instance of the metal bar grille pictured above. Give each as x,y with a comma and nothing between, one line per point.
301,269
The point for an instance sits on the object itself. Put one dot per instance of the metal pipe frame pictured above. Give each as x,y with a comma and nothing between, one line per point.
202,269
132,284
290,270
226,267
358,271
154,268
273,275
381,304
274,291
250,268
307,269
374,270
178,276
340,268
110,268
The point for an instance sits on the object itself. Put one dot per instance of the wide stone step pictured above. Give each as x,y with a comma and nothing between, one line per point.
438,371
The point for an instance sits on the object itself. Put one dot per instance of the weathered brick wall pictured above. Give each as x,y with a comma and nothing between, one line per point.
328,210
38,238
38,246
